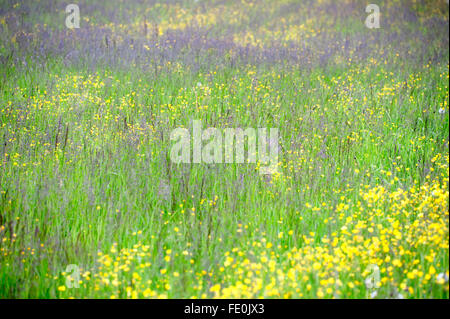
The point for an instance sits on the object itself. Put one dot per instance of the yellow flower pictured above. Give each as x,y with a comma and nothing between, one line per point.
432,270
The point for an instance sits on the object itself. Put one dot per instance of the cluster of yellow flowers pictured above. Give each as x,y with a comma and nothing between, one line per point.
402,235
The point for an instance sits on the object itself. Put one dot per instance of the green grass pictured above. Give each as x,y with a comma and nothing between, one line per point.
85,166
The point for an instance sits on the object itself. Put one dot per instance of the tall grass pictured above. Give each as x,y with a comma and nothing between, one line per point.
86,178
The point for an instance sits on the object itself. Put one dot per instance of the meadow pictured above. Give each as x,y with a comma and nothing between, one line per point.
92,206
